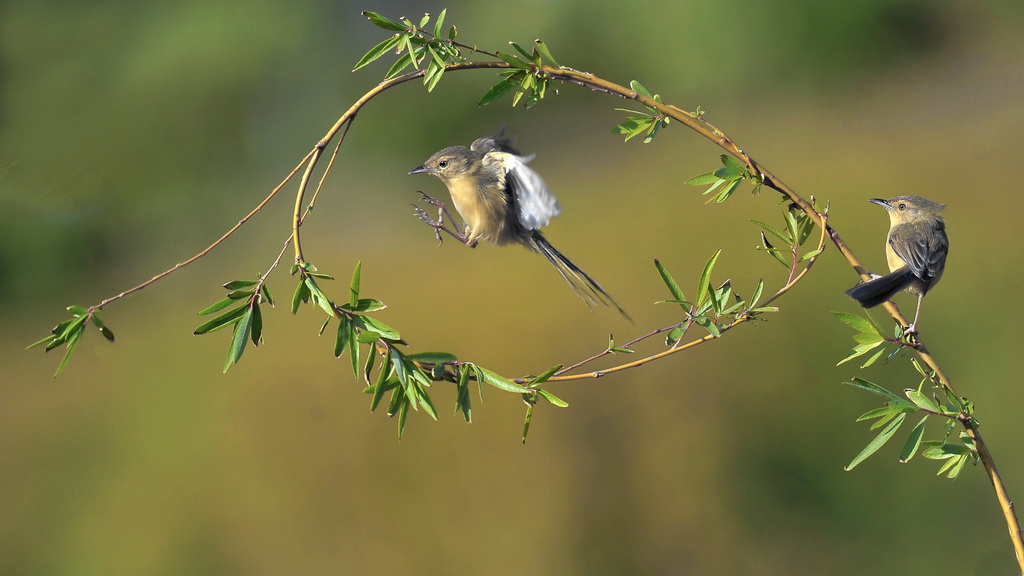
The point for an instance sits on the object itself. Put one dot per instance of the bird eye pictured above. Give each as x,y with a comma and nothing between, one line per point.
902,206
442,164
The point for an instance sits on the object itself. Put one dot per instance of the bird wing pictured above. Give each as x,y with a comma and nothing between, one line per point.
496,143
534,202
925,253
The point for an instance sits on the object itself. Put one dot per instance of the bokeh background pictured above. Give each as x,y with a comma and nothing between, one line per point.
133,134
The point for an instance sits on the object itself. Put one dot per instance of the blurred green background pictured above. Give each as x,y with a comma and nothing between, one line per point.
133,134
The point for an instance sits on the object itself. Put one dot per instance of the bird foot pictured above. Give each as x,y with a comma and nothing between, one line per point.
438,224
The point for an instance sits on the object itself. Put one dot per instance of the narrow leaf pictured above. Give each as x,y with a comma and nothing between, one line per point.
502,383
859,324
705,278
498,90
256,332
702,180
545,53
378,51
385,23
921,400
343,336
874,388
552,398
878,442
223,320
670,282
220,305
913,442
238,338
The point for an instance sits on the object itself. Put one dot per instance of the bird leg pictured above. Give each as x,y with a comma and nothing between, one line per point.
438,224
912,329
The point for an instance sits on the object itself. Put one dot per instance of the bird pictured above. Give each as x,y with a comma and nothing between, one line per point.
503,201
915,249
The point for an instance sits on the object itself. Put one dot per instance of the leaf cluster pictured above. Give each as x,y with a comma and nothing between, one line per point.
711,308
526,78
650,121
245,319
797,230
728,178
892,415
68,333
415,46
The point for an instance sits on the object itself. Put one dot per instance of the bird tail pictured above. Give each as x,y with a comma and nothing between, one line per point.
581,283
874,292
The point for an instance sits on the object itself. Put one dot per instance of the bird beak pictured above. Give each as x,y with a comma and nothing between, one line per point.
422,170
881,202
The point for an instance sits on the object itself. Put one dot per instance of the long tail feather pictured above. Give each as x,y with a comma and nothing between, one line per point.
874,292
581,283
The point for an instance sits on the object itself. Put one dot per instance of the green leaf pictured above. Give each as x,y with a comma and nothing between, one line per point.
812,254
317,296
382,22
874,358
878,442
463,402
502,383
552,398
240,284
874,388
377,327
921,400
220,305
545,53
403,414
433,76
868,339
257,325
382,378
859,324
514,61
773,231
756,296
102,328
521,50
498,90
703,179
639,89
546,375
301,295
266,294
223,320
368,367
378,51
402,63
238,338
527,420
343,336
365,305
705,278
913,442
72,343
732,164
673,287
439,24
433,357
727,191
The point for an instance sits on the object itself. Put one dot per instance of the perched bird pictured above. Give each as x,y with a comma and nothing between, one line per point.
503,201
915,248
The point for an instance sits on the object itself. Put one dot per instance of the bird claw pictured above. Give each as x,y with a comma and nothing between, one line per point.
438,224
